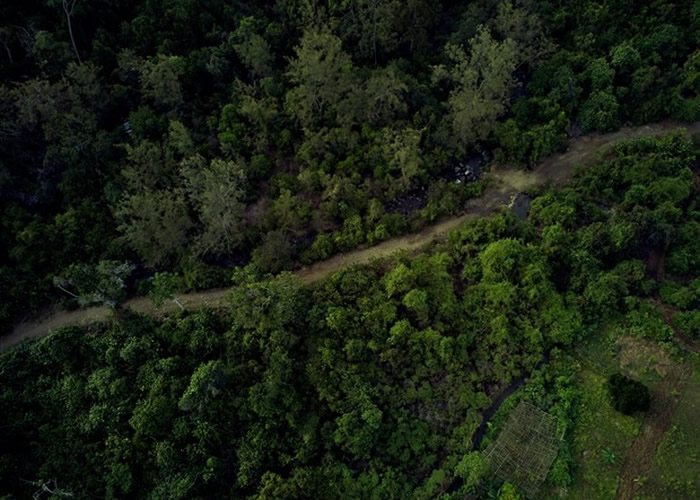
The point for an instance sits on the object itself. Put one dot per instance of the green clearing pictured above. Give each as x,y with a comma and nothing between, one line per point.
675,471
603,436
601,440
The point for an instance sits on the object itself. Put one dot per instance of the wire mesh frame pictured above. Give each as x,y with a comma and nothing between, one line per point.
525,448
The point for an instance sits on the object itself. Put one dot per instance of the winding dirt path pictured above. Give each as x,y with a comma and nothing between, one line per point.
555,169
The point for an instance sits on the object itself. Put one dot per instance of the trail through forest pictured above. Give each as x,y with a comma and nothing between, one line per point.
555,169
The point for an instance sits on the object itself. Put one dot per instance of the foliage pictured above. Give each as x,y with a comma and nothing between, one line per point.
193,137
628,396
168,134
103,284
163,288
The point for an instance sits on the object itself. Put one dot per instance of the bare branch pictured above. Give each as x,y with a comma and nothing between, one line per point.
5,34
45,487
68,6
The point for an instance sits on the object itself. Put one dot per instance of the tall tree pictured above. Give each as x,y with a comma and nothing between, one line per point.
155,224
164,286
483,80
217,192
402,152
68,6
321,75
373,26
252,48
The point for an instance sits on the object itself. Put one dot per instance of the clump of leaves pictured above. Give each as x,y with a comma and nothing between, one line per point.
628,396
608,456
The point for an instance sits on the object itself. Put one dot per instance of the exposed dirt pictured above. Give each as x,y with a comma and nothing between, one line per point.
555,169
633,351
657,421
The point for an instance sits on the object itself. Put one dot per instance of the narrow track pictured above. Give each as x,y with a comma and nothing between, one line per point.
555,169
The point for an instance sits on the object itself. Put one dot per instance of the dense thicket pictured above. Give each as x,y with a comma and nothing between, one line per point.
369,384
190,135
628,395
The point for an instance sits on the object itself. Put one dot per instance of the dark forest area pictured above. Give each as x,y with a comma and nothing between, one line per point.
371,383
194,136
151,147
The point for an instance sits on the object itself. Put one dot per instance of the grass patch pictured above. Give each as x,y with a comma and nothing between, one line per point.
674,473
601,440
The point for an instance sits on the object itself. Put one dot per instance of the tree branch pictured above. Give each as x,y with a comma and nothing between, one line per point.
68,6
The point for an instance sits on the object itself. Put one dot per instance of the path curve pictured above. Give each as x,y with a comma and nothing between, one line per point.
555,169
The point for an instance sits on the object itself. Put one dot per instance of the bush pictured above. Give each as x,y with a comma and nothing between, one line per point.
675,294
274,254
320,249
628,396
198,275
688,323
600,113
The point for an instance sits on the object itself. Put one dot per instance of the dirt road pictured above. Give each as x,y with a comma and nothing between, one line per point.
556,169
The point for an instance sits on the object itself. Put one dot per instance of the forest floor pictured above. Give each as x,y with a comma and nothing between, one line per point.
506,182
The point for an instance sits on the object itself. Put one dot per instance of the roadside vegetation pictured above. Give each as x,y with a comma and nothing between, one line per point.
192,137
373,381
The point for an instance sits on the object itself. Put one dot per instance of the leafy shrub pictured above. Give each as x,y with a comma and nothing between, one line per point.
688,323
198,275
677,295
320,249
600,112
628,396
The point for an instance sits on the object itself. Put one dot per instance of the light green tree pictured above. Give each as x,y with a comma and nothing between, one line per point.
100,284
217,192
160,79
164,286
252,48
384,95
508,492
514,21
483,80
373,24
155,224
206,383
321,75
472,468
402,152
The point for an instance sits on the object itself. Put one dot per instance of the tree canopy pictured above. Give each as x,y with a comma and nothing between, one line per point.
373,381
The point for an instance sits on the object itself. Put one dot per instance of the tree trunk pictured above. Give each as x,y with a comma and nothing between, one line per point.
68,291
69,10
9,54
7,49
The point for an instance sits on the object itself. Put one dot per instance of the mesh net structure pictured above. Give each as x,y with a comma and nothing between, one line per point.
525,448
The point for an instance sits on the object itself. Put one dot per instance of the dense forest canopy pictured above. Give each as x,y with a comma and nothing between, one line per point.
369,384
191,136
149,147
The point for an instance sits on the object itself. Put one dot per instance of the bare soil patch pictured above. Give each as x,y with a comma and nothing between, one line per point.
642,354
